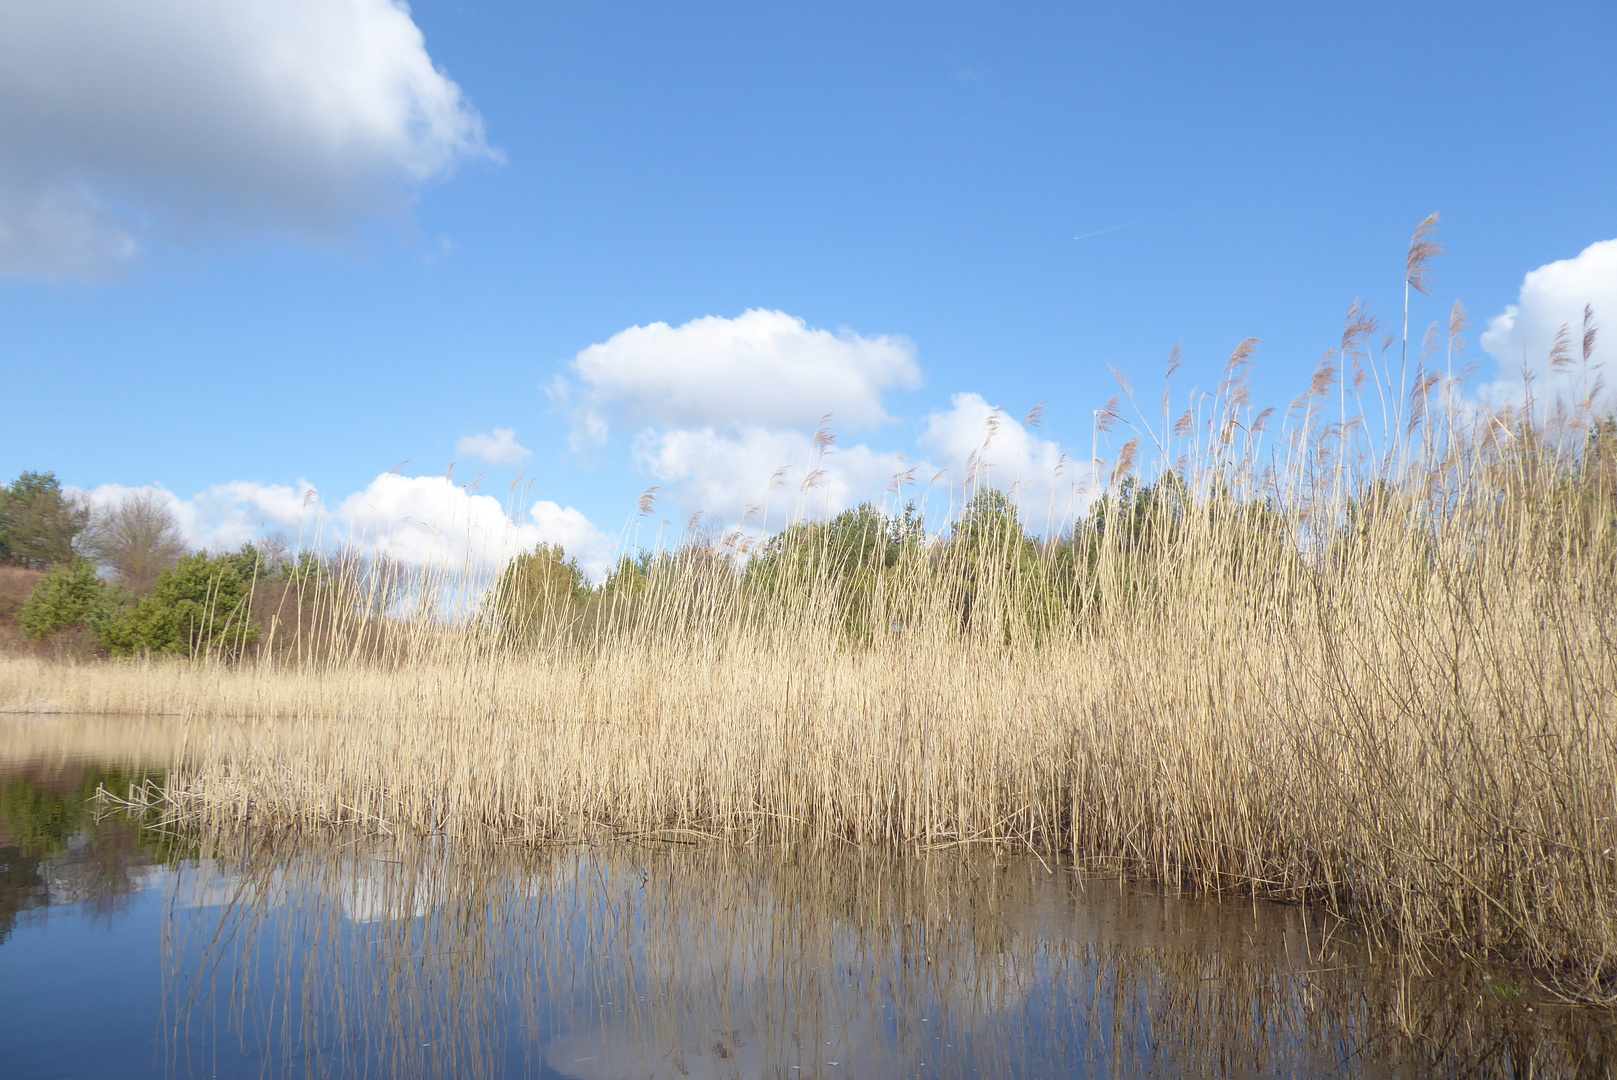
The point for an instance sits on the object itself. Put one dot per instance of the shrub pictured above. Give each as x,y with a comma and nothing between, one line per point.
200,606
69,595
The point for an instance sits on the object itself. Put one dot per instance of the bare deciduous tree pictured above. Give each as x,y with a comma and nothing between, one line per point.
275,554
137,539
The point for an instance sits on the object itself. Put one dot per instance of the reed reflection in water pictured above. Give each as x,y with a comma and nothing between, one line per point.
345,956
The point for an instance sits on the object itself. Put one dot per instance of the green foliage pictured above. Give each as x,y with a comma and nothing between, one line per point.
40,822
38,521
308,572
848,557
538,588
989,530
1140,516
254,562
990,554
245,561
989,544
853,544
370,587
630,576
59,823
863,540
200,606
70,595
864,571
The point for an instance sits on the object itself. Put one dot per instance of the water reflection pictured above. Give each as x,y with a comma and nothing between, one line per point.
346,955
49,854
722,962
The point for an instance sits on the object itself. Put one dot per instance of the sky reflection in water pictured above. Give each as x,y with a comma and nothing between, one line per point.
129,951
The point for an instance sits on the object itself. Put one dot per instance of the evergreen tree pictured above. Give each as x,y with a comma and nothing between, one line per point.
200,606
70,595
38,521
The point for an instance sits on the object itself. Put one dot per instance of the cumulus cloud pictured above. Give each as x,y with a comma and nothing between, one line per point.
725,410
431,521
225,516
980,444
498,447
306,114
428,520
756,476
1554,296
422,521
760,478
763,369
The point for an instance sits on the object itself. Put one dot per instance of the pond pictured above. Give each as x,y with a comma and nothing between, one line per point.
131,948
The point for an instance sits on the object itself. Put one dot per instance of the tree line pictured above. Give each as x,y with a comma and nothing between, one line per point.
124,572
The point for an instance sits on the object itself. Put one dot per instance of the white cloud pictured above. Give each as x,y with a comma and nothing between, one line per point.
722,405
430,521
552,523
981,444
225,516
229,515
499,447
1553,296
733,474
306,114
422,521
763,370
106,496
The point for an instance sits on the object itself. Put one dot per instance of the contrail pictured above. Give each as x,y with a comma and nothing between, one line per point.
1109,228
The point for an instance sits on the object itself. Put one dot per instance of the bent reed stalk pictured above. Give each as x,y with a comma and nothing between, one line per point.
1379,677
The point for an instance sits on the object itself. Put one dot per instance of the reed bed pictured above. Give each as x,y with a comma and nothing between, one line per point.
1375,673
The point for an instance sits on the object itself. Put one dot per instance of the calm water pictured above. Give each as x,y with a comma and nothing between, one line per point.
127,950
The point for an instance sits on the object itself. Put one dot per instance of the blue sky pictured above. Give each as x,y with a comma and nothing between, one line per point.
911,177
